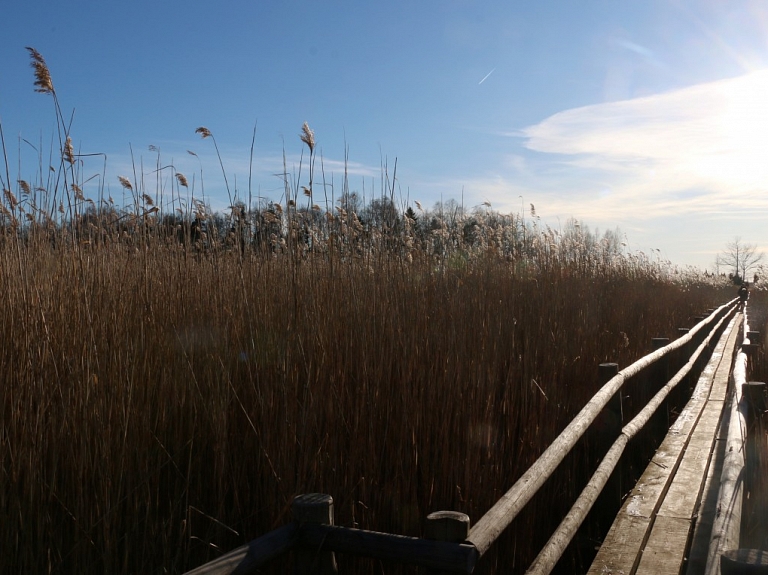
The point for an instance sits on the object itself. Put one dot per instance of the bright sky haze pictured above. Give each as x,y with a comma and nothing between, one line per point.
650,116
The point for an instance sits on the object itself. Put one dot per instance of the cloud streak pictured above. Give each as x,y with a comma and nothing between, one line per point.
488,75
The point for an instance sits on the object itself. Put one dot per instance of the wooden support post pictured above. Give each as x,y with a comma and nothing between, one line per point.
685,353
749,348
606,371
754,393
313,509
612,419
660,379
449,526
661,372
681,332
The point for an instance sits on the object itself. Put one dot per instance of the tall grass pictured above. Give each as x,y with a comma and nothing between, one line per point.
170,384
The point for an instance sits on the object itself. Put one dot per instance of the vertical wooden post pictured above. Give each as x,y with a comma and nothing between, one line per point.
685,354
754,393
661,373
660,379
606,371
313,508
612,418
451,526
749,348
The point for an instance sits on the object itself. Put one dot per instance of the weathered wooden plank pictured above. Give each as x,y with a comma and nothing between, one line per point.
682,499
697,557
621,549
665,551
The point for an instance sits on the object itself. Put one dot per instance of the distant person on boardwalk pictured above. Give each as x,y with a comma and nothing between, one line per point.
743,294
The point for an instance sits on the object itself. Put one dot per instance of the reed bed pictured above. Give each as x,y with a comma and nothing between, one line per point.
160,407
171,379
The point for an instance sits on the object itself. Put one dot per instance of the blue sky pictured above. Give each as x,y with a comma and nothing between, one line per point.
646,115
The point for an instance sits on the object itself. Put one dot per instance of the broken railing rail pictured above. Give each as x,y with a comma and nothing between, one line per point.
449,545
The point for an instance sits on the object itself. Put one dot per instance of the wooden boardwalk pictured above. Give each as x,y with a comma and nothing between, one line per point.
665,523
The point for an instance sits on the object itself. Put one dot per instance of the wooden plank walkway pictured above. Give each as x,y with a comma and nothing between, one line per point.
654,531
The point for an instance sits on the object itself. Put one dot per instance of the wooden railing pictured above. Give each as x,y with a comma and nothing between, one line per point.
449,545
746,398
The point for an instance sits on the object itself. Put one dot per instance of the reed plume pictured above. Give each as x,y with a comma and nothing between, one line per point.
125,182
308,137
206,133
43,79
69,151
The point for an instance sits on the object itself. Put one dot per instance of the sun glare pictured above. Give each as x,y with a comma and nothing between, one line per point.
739,133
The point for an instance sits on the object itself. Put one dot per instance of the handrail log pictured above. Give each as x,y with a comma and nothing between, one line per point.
252,556
498,518
551,552
441,555
725,529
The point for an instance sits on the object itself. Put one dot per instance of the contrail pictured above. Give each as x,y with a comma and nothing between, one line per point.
486,76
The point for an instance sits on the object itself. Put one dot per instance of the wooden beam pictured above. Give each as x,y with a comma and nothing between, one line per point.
251,557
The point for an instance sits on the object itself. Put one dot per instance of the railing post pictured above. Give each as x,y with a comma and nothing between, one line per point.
685,354
313,509
749,348
660,379
611,420
754,392
606,371
451,526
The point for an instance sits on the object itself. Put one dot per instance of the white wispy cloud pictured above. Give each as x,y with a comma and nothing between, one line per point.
694,149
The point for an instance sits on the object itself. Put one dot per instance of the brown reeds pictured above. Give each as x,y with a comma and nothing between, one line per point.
169,410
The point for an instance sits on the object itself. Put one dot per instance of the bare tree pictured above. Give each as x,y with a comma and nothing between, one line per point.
739,256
